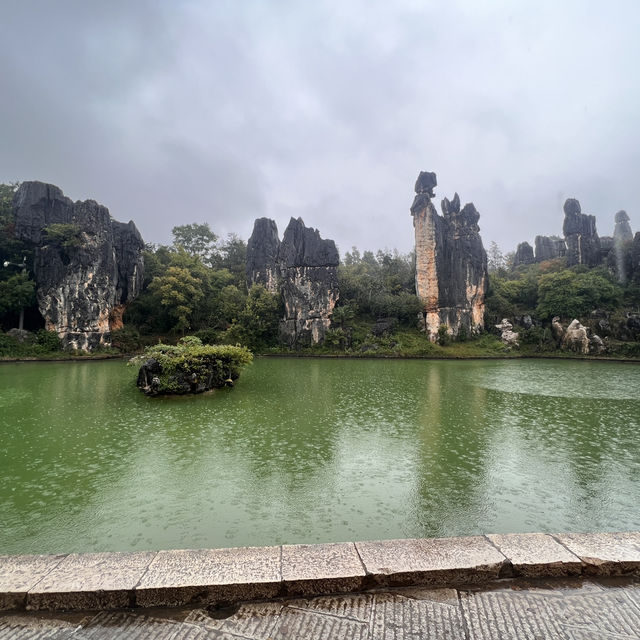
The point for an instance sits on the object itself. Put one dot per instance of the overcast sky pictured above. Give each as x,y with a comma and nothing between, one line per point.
171,112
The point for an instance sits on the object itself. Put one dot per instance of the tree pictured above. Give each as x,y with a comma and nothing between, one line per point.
257,325
571,295
179,292
196,239
16,292
495,258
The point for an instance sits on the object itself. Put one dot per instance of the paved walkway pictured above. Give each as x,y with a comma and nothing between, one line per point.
555,609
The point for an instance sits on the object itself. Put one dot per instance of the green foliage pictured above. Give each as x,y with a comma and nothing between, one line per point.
48,341
443,335
196,239
64,235
178,291
190,361
572,295
380,285
257,322
37,345
126,340
16,292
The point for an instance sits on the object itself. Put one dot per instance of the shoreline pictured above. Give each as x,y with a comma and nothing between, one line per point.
228,576
339,356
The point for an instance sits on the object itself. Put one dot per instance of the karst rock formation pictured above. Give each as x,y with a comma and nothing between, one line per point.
451,263
87,272
304,268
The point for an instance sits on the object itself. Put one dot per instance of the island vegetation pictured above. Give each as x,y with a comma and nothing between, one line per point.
198,285
189,366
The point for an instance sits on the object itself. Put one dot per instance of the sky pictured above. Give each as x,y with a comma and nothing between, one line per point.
181,111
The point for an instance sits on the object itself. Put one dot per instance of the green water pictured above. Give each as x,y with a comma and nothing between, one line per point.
305,450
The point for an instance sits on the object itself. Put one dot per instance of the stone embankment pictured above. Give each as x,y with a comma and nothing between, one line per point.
217,577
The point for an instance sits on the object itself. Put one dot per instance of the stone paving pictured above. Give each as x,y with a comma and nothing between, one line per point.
523,609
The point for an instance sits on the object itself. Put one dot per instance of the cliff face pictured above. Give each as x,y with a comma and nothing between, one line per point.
580,235
262,255
523,255
451,263
87,272
549,247
304,267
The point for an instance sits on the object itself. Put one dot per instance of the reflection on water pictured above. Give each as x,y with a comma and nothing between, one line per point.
316,450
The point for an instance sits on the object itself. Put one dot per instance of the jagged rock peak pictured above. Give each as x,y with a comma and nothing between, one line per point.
262,254
451,263
303,247
82,286
580,235
451,207
571,207
549,247
523,255
426,183
622,231
621,216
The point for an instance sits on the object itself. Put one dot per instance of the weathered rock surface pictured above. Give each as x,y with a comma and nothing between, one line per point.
557,329
549,248
622,231
451,263
83,283
580,235
309,270
576,338
262,255
507,334
523,255
304,268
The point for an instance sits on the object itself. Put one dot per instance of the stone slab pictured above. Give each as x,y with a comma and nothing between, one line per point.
18,574
314,569
210,576
90,581
437,561
537,555
605,553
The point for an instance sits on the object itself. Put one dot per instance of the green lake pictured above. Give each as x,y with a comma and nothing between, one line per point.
316,450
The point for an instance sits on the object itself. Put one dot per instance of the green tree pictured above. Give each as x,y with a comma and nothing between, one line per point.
179,292
196,239
16,292
257,325
571,294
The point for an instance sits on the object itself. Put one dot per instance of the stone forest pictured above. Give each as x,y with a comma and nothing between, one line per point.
79,281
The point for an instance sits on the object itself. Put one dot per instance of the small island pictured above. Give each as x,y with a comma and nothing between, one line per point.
189,367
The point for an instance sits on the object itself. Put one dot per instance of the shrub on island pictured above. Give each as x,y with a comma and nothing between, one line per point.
189,367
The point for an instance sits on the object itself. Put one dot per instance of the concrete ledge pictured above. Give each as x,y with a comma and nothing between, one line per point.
227,576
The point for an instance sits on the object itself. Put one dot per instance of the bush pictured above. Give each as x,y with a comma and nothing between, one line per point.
443,335
47,341
189,366
126,340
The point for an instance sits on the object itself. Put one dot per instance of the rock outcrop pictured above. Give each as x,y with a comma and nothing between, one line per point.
87,265
580,235
576,337
523,255
304,268
508,336
451,263
262,255
309,271
549,248
622,231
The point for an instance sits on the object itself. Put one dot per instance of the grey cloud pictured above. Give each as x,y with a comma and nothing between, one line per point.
173,112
